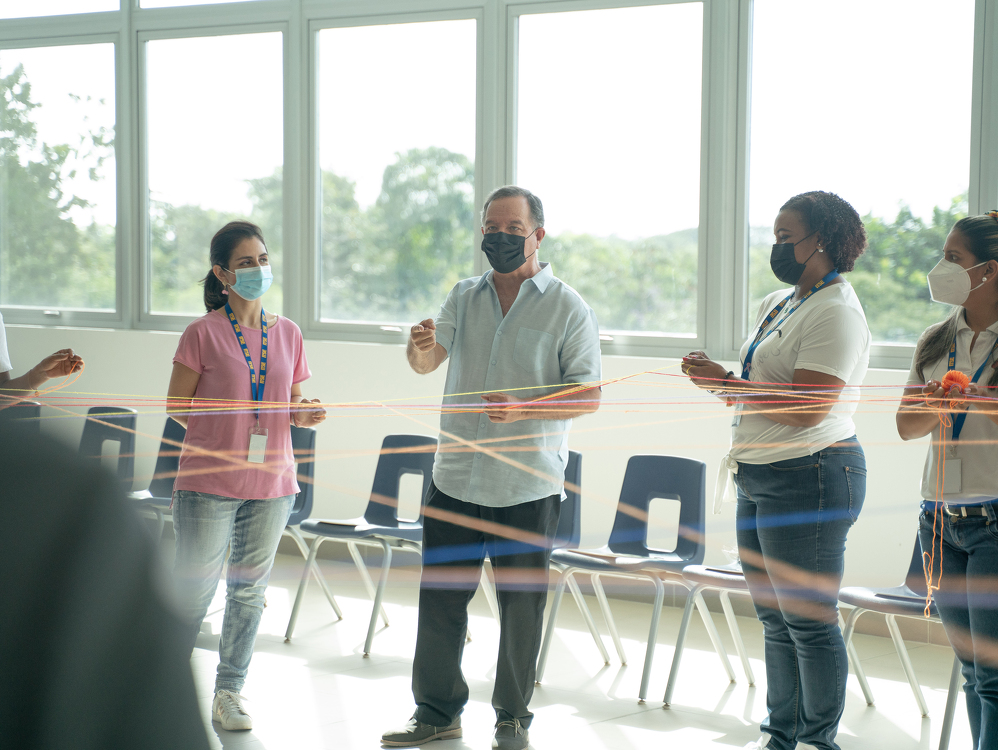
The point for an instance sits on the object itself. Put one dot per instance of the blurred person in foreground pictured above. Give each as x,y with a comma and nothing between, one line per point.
91,651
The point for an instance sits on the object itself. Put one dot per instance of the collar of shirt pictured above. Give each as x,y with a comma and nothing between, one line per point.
542,279
961,325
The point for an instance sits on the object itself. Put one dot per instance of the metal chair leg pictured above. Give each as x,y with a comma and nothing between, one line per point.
610,624
847,630
386,564
573,585
951,697
736,636
559,591
301,588
909,670
652,637
677,655
715,637
295,534
365,576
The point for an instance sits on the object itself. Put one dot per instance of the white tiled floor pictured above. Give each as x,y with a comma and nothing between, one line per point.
320,692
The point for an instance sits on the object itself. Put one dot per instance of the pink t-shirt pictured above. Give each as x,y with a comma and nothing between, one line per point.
213,459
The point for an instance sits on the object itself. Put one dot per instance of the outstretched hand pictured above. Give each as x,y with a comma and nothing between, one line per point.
423,335
64,362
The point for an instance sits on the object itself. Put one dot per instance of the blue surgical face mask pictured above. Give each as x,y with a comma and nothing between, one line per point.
252,283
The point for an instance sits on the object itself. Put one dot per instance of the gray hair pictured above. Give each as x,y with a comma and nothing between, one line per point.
512,191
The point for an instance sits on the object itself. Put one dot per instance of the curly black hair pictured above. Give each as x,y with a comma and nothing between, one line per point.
836,221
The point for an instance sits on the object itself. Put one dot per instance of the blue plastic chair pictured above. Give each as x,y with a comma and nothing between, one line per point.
380,525
159,494
906,600
628,555
111,424
25,415
303,445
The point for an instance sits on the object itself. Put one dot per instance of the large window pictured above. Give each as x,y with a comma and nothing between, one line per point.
363,137
57,178
214,119
878,111
397,150
608,135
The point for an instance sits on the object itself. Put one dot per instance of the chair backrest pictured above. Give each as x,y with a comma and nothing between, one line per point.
647,478
915,580
569,532
25,415
400,455
118,425
303,445
167,460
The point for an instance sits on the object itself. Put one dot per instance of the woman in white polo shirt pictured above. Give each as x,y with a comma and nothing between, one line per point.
959,528
799,470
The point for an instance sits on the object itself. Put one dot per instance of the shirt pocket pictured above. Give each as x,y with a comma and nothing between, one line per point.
532,349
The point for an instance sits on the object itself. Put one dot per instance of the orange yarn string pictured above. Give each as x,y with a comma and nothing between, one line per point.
929,558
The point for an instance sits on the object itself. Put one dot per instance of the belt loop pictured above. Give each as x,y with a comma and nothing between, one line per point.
989,508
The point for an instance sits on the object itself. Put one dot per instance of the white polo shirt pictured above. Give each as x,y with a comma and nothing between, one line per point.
976,448
548,338
827,333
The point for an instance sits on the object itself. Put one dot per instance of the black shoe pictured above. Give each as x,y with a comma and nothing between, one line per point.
416,732
510,735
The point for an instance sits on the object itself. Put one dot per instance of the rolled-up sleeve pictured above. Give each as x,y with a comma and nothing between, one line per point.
446,320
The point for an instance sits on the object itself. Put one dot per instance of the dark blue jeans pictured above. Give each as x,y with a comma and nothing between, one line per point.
793,517
967,601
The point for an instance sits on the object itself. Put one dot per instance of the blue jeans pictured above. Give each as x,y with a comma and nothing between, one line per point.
205,526
967,601
792,521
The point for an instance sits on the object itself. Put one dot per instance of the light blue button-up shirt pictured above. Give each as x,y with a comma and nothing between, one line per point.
549,338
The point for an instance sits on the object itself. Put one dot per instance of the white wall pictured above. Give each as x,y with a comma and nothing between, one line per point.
123,363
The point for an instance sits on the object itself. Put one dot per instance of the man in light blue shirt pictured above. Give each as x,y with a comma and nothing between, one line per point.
524,361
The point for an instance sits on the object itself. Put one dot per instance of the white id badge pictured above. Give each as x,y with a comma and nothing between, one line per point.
257,445
952,480
737,419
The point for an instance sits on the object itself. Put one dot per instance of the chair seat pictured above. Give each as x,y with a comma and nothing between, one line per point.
145,496
898,600
721,577
608,562
358,528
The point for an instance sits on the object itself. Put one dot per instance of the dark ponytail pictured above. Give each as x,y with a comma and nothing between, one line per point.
223,243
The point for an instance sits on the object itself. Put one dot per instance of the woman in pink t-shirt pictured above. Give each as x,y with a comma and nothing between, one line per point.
236,482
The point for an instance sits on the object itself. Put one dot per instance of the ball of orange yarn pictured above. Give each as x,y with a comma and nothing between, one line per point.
957,378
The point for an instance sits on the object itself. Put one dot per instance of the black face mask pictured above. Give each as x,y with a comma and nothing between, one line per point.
504,251
784,262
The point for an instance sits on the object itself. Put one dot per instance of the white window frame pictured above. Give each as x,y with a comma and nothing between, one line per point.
385,332
723,237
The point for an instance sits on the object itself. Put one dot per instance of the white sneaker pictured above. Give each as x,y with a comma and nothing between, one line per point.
761,743
227,709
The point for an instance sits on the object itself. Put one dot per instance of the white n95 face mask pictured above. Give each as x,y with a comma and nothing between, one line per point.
949,283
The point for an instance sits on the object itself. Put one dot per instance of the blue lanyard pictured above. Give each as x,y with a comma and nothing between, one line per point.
960,418
763,333
256,384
